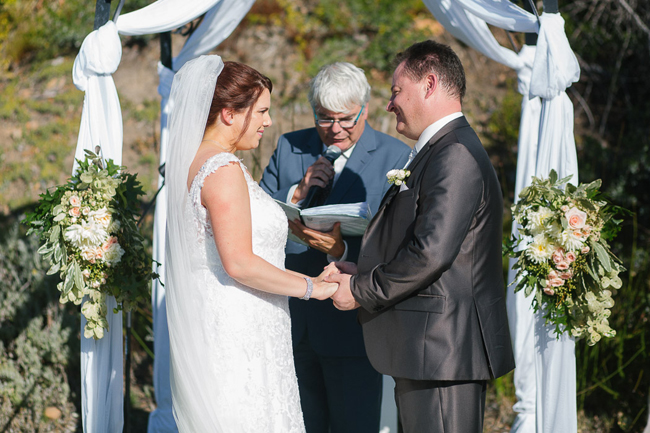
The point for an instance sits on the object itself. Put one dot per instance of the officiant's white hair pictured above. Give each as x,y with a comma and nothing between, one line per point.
338,86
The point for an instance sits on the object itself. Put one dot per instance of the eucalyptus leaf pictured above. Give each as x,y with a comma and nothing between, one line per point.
585,204
55,233
45,248
538,297
603,256
529,290
591,269
570,188
54,269
78,278
59,217
68,283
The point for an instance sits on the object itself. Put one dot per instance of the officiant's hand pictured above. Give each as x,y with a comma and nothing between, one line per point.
343,299
318,174
327,242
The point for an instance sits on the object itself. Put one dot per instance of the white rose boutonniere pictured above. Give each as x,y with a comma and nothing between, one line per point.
397,177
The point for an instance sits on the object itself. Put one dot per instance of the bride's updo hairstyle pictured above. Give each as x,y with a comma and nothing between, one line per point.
239,86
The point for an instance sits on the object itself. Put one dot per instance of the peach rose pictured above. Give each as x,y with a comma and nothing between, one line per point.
566,275
554,280
109,242
571,256
564,208
576,218
74,212
75,201
549,291
562,265
99,253
558,256
584,249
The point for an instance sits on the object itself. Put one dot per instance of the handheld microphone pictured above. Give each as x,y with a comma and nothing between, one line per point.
315,195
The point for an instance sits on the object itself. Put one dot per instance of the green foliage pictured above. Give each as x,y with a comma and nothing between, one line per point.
613,140
39,30
38,341
367,33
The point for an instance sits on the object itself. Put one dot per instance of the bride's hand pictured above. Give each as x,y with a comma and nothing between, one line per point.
328,270
323,290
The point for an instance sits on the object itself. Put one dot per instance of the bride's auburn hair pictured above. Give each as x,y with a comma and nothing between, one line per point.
238,87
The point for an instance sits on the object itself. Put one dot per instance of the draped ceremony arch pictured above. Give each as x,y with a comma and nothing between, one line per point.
545,374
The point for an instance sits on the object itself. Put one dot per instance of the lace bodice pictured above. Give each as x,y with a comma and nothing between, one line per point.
269,222
249,331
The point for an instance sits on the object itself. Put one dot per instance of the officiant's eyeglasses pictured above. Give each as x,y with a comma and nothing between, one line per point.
344,123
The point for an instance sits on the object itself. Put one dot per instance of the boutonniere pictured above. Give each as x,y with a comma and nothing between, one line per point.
397,177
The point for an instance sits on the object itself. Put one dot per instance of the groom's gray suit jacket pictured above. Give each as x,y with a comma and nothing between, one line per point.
430,279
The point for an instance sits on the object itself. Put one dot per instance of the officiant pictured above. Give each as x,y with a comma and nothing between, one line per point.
339,389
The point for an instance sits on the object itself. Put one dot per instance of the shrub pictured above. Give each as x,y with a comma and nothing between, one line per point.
38,343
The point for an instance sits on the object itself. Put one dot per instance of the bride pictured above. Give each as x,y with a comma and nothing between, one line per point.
230,341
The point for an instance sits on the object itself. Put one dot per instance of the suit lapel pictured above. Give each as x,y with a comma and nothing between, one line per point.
421,156
359,161
310,153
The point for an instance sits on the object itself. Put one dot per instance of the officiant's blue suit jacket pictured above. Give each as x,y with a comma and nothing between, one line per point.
331,332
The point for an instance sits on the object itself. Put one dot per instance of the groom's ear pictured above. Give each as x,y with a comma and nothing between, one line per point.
430,84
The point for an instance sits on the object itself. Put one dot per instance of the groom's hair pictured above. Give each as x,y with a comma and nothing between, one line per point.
430,57
238,87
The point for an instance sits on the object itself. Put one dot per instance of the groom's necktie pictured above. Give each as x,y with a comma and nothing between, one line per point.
411,157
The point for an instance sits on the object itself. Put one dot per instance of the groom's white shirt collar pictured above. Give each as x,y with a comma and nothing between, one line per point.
432,129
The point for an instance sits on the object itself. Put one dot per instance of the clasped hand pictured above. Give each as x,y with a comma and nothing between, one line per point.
340,273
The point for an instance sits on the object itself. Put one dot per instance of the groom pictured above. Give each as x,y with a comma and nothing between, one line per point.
429,279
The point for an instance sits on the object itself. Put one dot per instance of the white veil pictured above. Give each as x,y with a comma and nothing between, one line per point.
193,383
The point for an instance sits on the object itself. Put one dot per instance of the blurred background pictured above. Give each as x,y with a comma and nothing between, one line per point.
289,40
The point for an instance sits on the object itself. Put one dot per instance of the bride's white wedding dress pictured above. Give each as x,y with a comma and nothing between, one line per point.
248,332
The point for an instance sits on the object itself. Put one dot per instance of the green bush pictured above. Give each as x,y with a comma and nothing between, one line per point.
39,30
38,343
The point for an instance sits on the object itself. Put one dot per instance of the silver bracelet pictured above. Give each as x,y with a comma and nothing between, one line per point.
310,288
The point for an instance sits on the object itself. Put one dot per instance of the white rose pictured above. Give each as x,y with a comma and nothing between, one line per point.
114,254
102,217
88,254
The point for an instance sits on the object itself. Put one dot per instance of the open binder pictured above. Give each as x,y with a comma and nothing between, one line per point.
354,217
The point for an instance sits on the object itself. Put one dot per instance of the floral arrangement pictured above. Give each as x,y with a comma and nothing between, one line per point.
91,238
397,177
563,256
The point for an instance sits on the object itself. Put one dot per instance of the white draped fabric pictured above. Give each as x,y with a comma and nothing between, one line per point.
101,125
545,374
